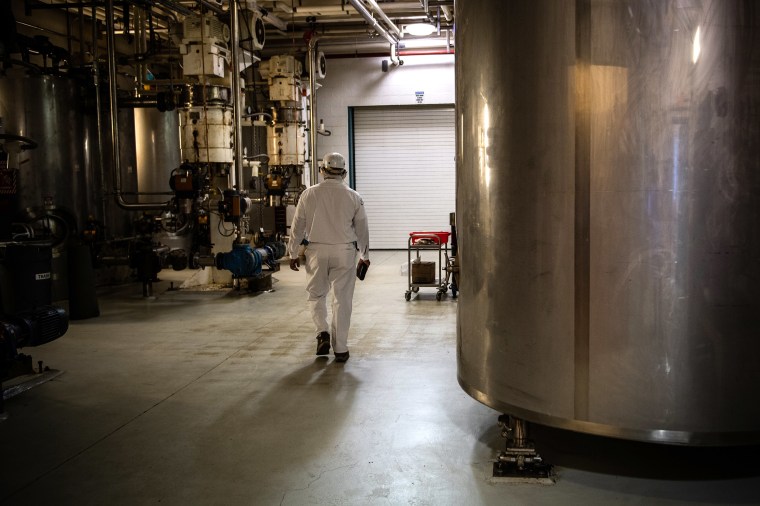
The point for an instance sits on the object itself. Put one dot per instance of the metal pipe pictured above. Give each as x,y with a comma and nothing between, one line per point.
80,14
422,52
99,118
273,20
395,29
313,169
135,102
236,92
212,7
141,45
447,13
173,7
114,112
372,21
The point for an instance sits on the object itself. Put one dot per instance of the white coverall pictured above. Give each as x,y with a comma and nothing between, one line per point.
331,217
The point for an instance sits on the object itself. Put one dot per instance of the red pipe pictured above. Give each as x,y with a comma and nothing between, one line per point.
422,52
419,52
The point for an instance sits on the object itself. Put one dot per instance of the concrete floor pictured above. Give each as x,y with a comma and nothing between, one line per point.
217,398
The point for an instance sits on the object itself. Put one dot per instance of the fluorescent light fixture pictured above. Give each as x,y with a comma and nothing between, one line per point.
419,29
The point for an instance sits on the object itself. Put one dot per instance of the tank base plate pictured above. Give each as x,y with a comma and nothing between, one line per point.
509,472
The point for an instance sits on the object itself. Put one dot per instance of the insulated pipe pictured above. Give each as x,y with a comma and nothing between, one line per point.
385,18
273,20
114,111
313,170
236,92
372,21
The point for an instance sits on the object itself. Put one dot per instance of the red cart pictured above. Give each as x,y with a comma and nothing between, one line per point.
431,274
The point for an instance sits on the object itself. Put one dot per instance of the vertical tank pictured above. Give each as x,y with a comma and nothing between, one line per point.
51,111
608,213
157,151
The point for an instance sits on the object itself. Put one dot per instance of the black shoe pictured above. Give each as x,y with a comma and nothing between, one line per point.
341,357
323,343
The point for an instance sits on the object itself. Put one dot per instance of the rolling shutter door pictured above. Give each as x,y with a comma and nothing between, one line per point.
405,170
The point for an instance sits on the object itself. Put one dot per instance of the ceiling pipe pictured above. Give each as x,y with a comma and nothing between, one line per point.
211,6
351,33
286,8
372,21
447,13
273,20
395,29
321,10
173,7
422,52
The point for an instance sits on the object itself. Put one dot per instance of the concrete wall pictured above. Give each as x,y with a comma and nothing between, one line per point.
354,82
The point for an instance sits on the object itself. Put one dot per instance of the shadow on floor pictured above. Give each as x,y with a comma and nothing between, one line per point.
636,459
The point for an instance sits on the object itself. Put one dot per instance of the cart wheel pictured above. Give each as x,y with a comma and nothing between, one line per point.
438,296
408,296
416,289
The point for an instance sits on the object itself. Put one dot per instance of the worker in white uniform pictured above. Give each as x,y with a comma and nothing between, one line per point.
330,219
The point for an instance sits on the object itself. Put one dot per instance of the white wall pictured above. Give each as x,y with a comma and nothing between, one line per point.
355,82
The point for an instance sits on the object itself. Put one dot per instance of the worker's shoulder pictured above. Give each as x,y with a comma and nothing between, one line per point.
336,189
355,195
335,185
307,192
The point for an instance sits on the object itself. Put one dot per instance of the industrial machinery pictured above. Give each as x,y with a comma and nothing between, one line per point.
286,133
27,318
32,327
176,148
607,173
24,329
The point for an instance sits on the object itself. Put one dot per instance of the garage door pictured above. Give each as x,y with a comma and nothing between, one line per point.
404,168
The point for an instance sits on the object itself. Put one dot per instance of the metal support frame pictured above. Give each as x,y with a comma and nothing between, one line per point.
520,460
22,384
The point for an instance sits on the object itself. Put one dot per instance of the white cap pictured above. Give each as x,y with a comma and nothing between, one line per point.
334,164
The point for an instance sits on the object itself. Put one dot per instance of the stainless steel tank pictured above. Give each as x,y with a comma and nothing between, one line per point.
157,151
608,207
51,111
66,171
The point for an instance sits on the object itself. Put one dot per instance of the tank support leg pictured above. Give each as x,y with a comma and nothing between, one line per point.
520,461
